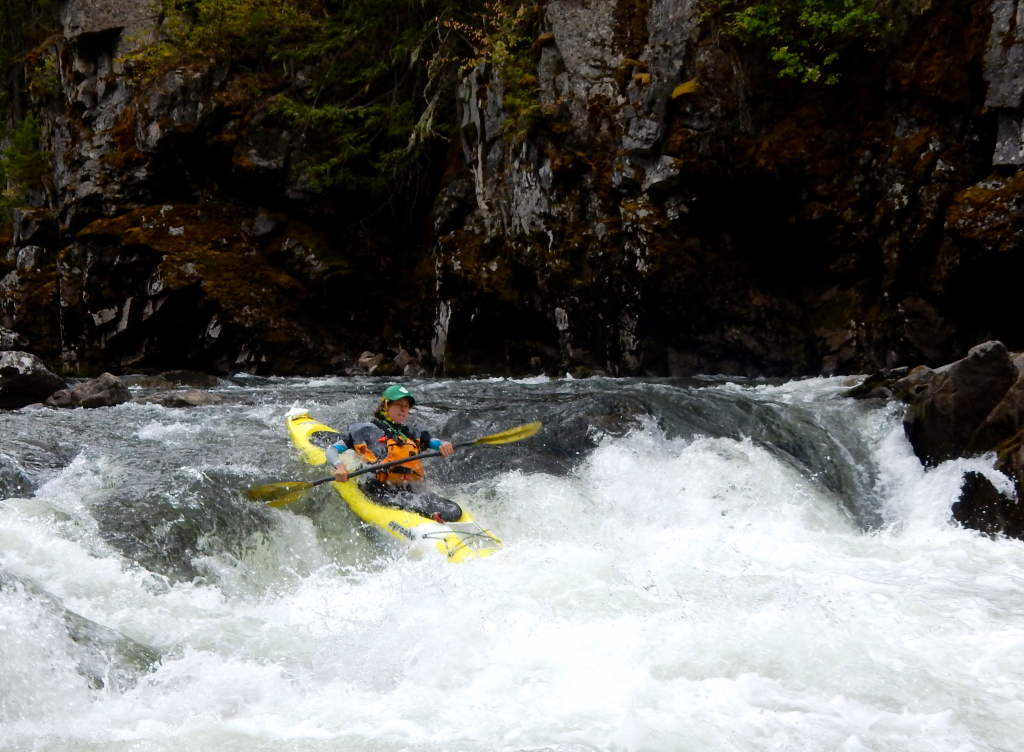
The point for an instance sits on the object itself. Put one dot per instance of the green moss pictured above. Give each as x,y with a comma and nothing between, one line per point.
203,245
123,136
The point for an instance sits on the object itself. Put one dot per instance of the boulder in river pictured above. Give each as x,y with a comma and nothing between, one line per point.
24,380
969,407
947,413
983,507
106,390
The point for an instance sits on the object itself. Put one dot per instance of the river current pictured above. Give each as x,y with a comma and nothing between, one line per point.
689,565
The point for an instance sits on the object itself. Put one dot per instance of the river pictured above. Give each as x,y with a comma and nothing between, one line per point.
692,565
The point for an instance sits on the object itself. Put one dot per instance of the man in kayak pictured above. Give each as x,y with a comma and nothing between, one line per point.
386,437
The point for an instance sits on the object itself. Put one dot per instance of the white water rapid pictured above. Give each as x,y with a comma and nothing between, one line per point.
665,590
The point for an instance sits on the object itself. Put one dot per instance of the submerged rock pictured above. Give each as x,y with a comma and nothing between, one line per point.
105,657
184,398
191,378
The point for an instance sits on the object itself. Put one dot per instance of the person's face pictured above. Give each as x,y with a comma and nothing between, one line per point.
398,410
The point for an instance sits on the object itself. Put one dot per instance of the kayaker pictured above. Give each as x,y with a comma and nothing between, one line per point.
387,437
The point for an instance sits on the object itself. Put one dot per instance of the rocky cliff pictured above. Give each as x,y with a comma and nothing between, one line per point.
672,207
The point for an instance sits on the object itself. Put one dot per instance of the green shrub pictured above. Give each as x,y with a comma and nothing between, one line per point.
370,104
498,36
22,164
23,24
805,38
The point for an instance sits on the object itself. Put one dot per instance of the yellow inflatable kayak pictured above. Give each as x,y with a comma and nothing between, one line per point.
460,540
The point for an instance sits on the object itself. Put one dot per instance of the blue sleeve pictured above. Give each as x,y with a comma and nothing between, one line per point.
332,453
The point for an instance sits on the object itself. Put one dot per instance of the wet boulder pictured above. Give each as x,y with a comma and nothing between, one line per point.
955,402
106,390
24,380
983,507
377,364
10,340
878,385
1002,424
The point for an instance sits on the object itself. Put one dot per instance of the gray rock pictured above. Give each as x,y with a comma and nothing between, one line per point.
912,385
1004,421
9,340
34,226
24,380
1004,57
626,174
983,507
664,174
643,134
948,412
105,390
265,225
133,18
878,385
1009,138
30,257
369,360
403,358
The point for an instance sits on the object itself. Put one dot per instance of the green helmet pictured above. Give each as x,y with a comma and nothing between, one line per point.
397,392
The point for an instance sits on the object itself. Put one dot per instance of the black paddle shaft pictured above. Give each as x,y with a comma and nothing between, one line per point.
392,463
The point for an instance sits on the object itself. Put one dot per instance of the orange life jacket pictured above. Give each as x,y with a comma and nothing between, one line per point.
398,448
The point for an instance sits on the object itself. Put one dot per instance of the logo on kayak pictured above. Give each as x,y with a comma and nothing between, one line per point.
401,530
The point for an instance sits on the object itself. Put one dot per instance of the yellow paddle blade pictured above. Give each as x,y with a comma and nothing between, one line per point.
512,434
279,494
286,499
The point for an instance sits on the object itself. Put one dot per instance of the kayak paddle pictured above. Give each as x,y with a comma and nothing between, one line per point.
279,494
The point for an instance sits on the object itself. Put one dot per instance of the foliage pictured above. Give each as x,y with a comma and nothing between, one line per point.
22,164
264,29
373,72
806,38
370,108
22,22
499,37
367,99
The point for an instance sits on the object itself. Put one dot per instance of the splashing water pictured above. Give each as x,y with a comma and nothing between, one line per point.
689,565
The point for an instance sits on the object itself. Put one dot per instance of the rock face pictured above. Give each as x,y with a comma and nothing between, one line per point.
678,210
24,380
669,206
